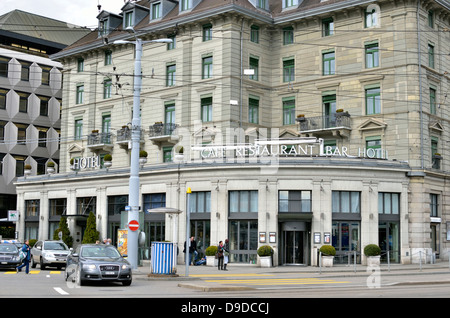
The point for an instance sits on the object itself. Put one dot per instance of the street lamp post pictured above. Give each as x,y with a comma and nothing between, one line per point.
133,196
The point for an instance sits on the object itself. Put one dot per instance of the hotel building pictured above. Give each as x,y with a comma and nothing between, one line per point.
301,123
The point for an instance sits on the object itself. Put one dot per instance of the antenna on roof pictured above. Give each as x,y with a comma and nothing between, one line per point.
99,6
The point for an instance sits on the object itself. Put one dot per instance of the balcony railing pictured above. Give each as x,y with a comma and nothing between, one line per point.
160,130
321,123
99,139
124,134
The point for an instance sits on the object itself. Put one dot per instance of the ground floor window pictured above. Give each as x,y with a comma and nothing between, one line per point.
200,230
346,239
243,239
389,241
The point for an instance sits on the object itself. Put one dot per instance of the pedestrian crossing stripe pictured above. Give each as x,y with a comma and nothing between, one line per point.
279,281
229,275
32,272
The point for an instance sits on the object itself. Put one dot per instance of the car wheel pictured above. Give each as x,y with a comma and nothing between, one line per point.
41,264
78,277
33,263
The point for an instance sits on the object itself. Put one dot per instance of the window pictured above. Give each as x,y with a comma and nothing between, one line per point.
32,208
207,32
57,207
170,115
170,75
254,65
253,110
288,111
167,154
25,71
431,19
289,3
374,143
328,61
372,55
434,205
288,70
108,57
346,202
129,19
432,101
431,55
243,201
4,62
206,109
327,27
117,204
42,138
185,5
200,202
371,18
243,235
2,130
80,94
207,64
80,65
294,201
43,107
107,87
106,128
86,205
288,35
388,203
153,201
20,165
373,101
78,134
171,45
104,27
156,10
261,4
45,80
3,93
254,34
23,102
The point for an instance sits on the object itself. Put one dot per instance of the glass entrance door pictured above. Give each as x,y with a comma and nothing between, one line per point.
389,241
293,247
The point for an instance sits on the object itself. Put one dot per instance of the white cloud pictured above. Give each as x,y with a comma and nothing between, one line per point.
78,12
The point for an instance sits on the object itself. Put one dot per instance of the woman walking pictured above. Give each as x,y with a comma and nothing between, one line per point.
26,261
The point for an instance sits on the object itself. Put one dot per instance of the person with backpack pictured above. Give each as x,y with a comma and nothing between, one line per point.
26,249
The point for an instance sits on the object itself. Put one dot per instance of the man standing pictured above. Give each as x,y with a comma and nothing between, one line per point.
192,250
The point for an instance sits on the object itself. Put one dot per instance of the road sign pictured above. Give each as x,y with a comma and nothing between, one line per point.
133,225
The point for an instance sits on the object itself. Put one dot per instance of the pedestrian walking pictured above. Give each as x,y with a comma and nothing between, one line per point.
220,252
192,250
26,261
226,254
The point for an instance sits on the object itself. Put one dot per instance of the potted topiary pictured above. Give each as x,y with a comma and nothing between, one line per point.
328,253
50,167
143,157
373,253
27,169
265,253
211,252
107,160
179,153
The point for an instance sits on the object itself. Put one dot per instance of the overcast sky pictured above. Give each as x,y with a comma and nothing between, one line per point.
78,12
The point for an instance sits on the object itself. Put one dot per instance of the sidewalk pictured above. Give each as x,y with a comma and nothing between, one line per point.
393,274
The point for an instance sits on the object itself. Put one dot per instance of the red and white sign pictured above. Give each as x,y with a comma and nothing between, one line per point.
133,225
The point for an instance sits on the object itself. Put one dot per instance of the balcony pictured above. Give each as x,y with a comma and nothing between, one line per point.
160,132
100,141
124,137
338,124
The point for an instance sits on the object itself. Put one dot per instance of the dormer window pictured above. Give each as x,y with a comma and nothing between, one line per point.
104,27
185,5
290,4
156,10
129,19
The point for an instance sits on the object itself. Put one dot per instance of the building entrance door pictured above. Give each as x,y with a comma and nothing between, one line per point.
294,243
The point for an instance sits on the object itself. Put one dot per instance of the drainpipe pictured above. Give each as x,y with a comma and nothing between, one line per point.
420,87
241,78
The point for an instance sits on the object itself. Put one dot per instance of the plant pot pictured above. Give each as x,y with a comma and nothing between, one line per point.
265,261
142,160
107,164
211,261
50,170
373,260
327,261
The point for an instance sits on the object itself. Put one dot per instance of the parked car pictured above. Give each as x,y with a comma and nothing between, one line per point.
97,262
9,255
49,253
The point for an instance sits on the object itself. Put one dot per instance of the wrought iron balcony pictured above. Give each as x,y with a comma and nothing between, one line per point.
97,141
123,137
337,123
161,131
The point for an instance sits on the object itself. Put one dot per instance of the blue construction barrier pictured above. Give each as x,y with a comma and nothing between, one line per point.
163,258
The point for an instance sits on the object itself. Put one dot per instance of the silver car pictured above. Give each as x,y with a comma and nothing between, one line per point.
49,253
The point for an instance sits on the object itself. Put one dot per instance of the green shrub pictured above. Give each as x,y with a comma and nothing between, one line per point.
328,250
31,242
50,164
372,250
211,250
107,157
265,250
143,154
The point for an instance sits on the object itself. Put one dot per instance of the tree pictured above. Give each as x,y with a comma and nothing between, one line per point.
64,228
91,235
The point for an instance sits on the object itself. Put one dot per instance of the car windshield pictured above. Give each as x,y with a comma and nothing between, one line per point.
55,246
99,251
8,248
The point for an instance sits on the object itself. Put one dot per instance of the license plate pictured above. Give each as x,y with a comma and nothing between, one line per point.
109,273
